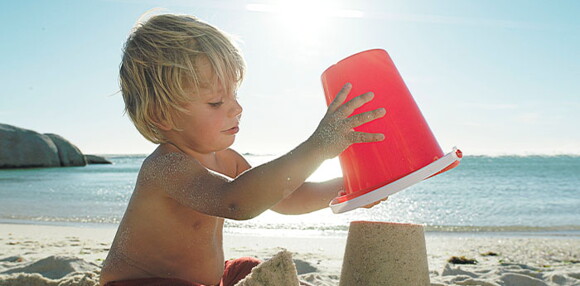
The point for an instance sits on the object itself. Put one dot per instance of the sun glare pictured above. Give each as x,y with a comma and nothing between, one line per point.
305,18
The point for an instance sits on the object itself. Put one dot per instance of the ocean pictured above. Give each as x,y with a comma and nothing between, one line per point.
503,194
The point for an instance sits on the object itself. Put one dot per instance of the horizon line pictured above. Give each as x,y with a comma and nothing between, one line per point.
526,154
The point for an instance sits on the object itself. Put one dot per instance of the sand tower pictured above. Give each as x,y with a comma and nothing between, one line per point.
382,253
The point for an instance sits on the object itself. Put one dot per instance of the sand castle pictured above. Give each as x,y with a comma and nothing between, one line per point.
381,253
279,270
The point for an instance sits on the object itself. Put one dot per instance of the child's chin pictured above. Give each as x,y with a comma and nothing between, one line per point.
227,143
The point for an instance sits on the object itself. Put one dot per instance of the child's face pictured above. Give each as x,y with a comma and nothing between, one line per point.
213,116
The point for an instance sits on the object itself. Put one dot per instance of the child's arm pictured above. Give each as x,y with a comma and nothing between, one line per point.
259,188
314,196
309,197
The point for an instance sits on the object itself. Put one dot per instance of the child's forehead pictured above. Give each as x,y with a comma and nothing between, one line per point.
203,81
207,80
207,77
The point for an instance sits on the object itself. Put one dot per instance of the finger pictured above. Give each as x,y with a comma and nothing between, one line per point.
371,205
362,118
340,97
362,137
375,203
349,107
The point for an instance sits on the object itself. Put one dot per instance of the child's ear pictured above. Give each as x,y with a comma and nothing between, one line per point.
161,123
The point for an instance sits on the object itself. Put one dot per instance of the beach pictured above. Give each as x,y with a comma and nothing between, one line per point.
90,85
73,255
518,221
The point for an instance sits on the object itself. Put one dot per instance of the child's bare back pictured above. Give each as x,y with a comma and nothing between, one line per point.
162,237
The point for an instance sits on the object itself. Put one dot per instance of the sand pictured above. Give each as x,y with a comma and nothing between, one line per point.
61,255
278,270
385,253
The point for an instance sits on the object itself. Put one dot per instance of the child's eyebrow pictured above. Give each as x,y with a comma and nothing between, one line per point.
205,85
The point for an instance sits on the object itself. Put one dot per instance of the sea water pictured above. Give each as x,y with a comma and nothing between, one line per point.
492,194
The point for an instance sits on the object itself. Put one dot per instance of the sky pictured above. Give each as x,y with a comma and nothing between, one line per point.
490,77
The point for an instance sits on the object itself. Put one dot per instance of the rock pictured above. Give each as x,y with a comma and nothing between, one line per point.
55,267
94,159
68,153
23,148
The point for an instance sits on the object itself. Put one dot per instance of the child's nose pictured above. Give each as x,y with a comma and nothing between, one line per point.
236,109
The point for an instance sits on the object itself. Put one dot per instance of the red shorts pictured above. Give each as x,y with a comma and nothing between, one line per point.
235,270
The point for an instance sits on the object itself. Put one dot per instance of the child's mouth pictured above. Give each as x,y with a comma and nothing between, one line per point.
232,130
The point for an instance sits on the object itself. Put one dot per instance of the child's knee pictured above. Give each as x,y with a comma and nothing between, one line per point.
238,269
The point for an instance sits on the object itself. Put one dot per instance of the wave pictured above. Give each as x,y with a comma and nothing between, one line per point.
58,220
428,228
509,228
321,229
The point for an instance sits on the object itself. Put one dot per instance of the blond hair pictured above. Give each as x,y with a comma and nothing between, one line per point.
158,73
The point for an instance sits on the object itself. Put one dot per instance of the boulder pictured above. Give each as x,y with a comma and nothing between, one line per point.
23,148
94,159
68,153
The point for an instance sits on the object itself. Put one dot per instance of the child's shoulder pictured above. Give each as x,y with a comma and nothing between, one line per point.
163,157
163,165
233,157
231,154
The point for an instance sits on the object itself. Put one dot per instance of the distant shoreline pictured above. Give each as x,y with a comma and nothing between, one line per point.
574,155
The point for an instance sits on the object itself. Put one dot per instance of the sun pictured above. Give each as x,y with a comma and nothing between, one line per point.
303,18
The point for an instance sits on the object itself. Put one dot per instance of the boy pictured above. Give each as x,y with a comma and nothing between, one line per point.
178,79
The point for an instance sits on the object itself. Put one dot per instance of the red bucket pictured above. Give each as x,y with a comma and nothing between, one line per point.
409,154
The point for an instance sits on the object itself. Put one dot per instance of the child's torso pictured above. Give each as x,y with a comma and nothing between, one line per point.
158,237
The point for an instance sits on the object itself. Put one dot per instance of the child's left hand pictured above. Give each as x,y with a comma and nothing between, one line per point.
343,193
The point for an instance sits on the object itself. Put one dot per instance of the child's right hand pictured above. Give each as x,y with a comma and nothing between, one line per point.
335,132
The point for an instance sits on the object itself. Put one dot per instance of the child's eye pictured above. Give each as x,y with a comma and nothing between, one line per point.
216,104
